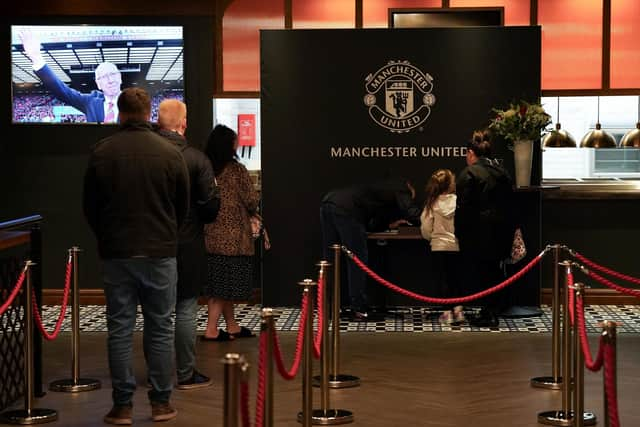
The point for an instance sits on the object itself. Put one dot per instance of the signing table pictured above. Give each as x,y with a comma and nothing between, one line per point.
403,233
402,257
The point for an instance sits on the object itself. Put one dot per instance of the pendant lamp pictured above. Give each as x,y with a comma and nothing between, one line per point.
631,139
558,137
598,138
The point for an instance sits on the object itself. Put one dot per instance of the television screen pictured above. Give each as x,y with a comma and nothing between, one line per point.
74,73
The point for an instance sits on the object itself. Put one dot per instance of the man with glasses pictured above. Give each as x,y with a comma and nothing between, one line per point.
99,106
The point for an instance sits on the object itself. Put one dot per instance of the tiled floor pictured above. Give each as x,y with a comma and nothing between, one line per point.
404,319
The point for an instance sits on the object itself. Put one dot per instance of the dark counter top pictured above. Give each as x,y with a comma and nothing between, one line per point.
575,194
10,239
536,188
596,188
404,233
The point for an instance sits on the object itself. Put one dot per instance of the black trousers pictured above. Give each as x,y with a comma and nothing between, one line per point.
345,230
445,269
480,274
192,268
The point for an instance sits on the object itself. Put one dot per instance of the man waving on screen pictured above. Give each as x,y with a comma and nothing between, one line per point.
99,106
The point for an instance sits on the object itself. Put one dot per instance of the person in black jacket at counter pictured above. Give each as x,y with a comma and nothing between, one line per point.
484,223
347,214
136,197
192,257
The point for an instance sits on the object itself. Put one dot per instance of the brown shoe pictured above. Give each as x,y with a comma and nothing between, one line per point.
119,415
162,412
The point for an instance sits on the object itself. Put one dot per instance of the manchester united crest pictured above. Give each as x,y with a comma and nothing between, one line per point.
399,96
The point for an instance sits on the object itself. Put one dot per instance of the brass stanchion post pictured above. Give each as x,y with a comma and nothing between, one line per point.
336,379
75,384
268,327
29,415
563,417
554,382
327,415
244,379
306,416
588,418
609,334
232,364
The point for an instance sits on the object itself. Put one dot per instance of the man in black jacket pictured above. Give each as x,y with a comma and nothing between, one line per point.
347,214
192,258
136,197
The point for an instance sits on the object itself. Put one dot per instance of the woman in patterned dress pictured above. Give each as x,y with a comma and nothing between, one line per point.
229,241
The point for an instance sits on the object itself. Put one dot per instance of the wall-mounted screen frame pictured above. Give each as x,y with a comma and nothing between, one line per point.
449,17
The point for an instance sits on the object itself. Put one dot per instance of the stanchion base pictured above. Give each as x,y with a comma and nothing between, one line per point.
338,381
330,417
69,386
36,416
549,383
560,418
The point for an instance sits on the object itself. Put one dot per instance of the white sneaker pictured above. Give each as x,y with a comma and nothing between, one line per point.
446,318
458,316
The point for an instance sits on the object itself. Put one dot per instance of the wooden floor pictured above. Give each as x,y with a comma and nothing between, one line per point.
408,379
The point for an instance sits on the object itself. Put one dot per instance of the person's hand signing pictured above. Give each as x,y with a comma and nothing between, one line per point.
398,223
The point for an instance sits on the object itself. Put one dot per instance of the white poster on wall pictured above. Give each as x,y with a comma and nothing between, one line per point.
228,111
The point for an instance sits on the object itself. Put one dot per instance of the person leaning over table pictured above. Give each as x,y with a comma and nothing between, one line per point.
347,214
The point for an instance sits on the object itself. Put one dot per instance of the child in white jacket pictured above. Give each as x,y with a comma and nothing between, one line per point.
437,226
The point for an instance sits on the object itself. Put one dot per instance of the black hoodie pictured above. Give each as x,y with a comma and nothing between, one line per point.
204,195
484,216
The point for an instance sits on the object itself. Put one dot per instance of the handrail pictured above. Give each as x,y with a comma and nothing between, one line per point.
20,222
35,241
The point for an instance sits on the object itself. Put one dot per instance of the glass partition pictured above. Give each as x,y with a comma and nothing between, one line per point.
617,115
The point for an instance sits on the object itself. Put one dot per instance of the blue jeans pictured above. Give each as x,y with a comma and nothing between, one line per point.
152,282
186,311
345,230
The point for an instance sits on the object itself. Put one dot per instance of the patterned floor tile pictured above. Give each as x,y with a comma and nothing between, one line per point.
403,319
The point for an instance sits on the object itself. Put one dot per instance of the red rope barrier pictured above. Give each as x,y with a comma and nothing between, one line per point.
244,404
606,357
63,309
592,365
610,284
610,384
14,293
459,300
291,373
262,381
570,283
317,339
605,270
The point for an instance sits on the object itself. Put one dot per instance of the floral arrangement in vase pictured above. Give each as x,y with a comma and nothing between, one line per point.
522,121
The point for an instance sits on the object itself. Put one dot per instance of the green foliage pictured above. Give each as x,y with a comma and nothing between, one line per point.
521,121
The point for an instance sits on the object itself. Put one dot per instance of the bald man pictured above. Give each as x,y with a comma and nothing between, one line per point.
192,261
99,106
